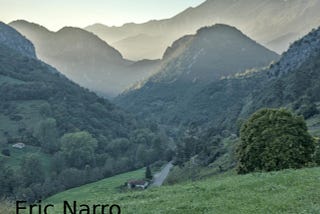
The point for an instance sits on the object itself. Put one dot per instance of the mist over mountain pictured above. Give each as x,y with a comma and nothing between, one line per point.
291,82
26,80
188,66
273,23
84,58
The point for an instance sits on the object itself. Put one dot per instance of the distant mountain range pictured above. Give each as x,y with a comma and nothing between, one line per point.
173,99
84,58
275,24
189,66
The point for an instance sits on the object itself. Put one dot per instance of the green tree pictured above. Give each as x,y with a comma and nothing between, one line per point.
148,173
7,180
317,153
274,139
32,170
47,134
78,149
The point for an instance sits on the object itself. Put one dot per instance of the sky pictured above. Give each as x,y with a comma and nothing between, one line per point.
55,14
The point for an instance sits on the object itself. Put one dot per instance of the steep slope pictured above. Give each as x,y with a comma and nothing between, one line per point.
273,23
83,57
30,83
45,111
189,65
292,82
15,41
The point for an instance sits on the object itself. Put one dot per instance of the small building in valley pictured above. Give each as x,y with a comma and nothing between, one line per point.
138,184
19,145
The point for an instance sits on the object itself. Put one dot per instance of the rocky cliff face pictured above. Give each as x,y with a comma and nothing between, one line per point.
297,54
16,41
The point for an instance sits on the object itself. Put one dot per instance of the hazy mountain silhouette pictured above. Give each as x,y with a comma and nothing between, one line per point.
27,86
141,46
190,64
291,82
273,23
84,58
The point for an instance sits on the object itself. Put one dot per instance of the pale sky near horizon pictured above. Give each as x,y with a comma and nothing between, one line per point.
55,14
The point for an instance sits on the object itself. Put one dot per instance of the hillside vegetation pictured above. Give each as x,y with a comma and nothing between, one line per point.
292,82
71,135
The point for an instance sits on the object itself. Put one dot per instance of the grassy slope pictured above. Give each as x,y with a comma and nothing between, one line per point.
289,191
91,192
17,155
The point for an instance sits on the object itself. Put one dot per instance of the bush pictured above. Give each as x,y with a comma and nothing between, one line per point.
274,140
6,152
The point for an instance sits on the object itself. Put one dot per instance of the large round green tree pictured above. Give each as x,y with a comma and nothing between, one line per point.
274,139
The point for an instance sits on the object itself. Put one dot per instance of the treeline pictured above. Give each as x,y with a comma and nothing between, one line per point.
87,137
77,159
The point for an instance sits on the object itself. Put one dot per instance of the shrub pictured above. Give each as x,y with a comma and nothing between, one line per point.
6,152
272,140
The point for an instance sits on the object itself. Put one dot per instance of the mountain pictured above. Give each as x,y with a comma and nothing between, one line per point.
15,41
28,83
84,58
189,65
70,136
140,46
273,23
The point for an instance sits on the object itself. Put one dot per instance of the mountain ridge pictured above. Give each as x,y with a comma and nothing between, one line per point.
193,62
84,58
272,20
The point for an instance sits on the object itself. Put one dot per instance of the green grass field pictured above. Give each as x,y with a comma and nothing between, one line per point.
288,191
98,189
17,155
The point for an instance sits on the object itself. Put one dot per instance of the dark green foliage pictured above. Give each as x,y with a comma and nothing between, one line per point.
47,134
32,170
317,153
7,180
6,152
79,149
148,174
202,147
273,140
88,137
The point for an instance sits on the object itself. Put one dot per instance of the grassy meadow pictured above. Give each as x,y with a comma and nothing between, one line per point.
288,191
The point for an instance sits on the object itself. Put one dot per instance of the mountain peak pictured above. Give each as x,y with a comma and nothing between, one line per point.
14,40
21,23
217,27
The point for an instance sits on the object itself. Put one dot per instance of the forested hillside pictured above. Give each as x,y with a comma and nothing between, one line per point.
71,136
190,65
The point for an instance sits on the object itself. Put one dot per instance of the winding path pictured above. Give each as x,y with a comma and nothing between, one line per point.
159,178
